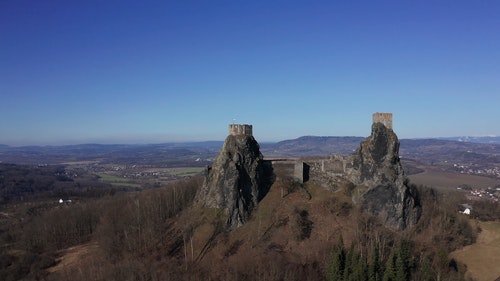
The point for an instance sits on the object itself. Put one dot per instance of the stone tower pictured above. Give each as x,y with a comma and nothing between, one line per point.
384,118
240,129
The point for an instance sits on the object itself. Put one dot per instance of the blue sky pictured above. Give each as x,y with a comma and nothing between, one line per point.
148,72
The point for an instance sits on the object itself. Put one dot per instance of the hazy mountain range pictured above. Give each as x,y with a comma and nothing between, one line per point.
430,150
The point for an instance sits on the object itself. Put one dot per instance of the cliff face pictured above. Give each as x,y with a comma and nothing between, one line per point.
236,181
382,185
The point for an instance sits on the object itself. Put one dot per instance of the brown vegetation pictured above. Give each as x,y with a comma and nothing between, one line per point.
294,234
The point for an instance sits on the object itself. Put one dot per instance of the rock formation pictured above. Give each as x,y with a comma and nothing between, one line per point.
237,179
382,187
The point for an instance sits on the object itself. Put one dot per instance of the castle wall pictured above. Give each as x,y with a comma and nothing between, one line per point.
332,165
301,170
294,170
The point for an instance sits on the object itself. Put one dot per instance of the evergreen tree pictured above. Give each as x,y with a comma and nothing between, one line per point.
350,263
390,268
403,263
401,270
442,263
337,266
360,270
374,268
425,270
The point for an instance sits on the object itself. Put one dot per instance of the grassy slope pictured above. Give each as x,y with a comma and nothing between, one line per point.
483,257
270,238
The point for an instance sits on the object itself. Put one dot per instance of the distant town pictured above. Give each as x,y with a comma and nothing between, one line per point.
490,193
474,169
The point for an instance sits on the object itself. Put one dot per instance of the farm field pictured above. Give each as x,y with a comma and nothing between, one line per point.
443,179
184,171
483,257
143,177
116,180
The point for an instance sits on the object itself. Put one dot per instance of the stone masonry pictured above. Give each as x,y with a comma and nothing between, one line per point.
384,118
240,129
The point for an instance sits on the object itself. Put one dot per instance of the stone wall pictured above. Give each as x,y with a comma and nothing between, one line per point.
334,164
288,169
300,170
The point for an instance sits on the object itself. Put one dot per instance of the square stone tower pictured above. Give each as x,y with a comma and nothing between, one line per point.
384,118
240,129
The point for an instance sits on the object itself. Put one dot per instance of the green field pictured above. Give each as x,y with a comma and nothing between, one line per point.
185,171
115,180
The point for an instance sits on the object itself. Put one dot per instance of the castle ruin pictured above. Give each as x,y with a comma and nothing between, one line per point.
297,169
373,175
384,118
240,130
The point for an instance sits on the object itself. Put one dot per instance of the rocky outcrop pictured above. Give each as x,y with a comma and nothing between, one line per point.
382,187
237,180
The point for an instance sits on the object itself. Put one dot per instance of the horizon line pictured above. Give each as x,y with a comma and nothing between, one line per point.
103,142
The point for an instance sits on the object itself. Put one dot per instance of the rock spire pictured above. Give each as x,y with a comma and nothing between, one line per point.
236,182
382,185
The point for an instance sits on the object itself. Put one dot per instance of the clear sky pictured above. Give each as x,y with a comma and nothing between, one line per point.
160,71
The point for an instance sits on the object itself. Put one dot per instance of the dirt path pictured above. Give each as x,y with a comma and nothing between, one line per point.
483,257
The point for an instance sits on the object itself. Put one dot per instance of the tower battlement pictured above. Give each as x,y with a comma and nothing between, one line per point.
384,118
240,129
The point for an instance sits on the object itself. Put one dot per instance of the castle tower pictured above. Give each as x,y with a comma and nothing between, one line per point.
384,118
240,129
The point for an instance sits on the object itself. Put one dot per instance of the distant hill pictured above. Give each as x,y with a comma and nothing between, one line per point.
424,149
309,146
171,154
486,139
451,155
435,151
428,151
